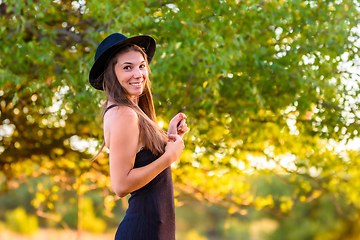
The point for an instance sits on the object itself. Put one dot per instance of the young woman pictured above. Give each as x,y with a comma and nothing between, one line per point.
140,152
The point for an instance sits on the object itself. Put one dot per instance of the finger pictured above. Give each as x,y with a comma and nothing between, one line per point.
183,130
181,134
182,126
178,117
178,138
179,129
181,123
172,128
175,137
175,123
172,137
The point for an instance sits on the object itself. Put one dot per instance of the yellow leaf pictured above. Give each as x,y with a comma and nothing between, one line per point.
204,84
53,197
316,193
50,205
55,188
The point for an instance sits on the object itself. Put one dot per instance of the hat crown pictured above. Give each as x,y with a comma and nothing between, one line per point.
108,42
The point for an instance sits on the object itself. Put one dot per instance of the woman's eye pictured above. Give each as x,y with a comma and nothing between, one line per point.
142,66
127,67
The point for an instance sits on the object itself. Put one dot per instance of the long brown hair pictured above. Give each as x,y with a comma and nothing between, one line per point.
151,135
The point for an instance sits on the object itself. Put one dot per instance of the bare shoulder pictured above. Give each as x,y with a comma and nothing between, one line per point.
121,113
127,112
120,122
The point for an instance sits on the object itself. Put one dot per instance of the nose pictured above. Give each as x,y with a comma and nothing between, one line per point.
138,73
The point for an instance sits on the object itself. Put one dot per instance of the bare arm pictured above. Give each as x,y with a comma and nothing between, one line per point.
124,139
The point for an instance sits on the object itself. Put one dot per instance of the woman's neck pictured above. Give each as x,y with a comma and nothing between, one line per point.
134,99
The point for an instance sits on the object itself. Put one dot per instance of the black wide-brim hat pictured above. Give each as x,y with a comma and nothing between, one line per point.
109,46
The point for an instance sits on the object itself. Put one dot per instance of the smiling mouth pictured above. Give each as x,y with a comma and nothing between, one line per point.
136,84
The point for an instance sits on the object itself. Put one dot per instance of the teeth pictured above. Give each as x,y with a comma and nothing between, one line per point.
135,84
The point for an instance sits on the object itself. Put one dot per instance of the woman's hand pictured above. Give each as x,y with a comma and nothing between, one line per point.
174,147
178,125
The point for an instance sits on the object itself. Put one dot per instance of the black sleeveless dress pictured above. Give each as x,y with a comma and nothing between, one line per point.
151,211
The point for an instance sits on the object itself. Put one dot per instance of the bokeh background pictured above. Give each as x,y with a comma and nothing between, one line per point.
270,89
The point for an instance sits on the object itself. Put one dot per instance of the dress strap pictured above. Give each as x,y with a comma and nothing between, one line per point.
109,107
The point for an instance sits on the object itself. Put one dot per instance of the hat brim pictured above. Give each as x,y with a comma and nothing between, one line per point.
143,41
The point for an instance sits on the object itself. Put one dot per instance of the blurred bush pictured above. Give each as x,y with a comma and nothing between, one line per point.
194,235
2,226
18,221
89,221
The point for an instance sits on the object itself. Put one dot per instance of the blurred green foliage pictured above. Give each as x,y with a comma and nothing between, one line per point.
269,99
196,219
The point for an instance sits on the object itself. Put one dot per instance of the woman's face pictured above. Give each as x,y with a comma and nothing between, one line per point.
132,73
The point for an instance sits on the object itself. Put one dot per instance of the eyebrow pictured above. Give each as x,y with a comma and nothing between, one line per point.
131,62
